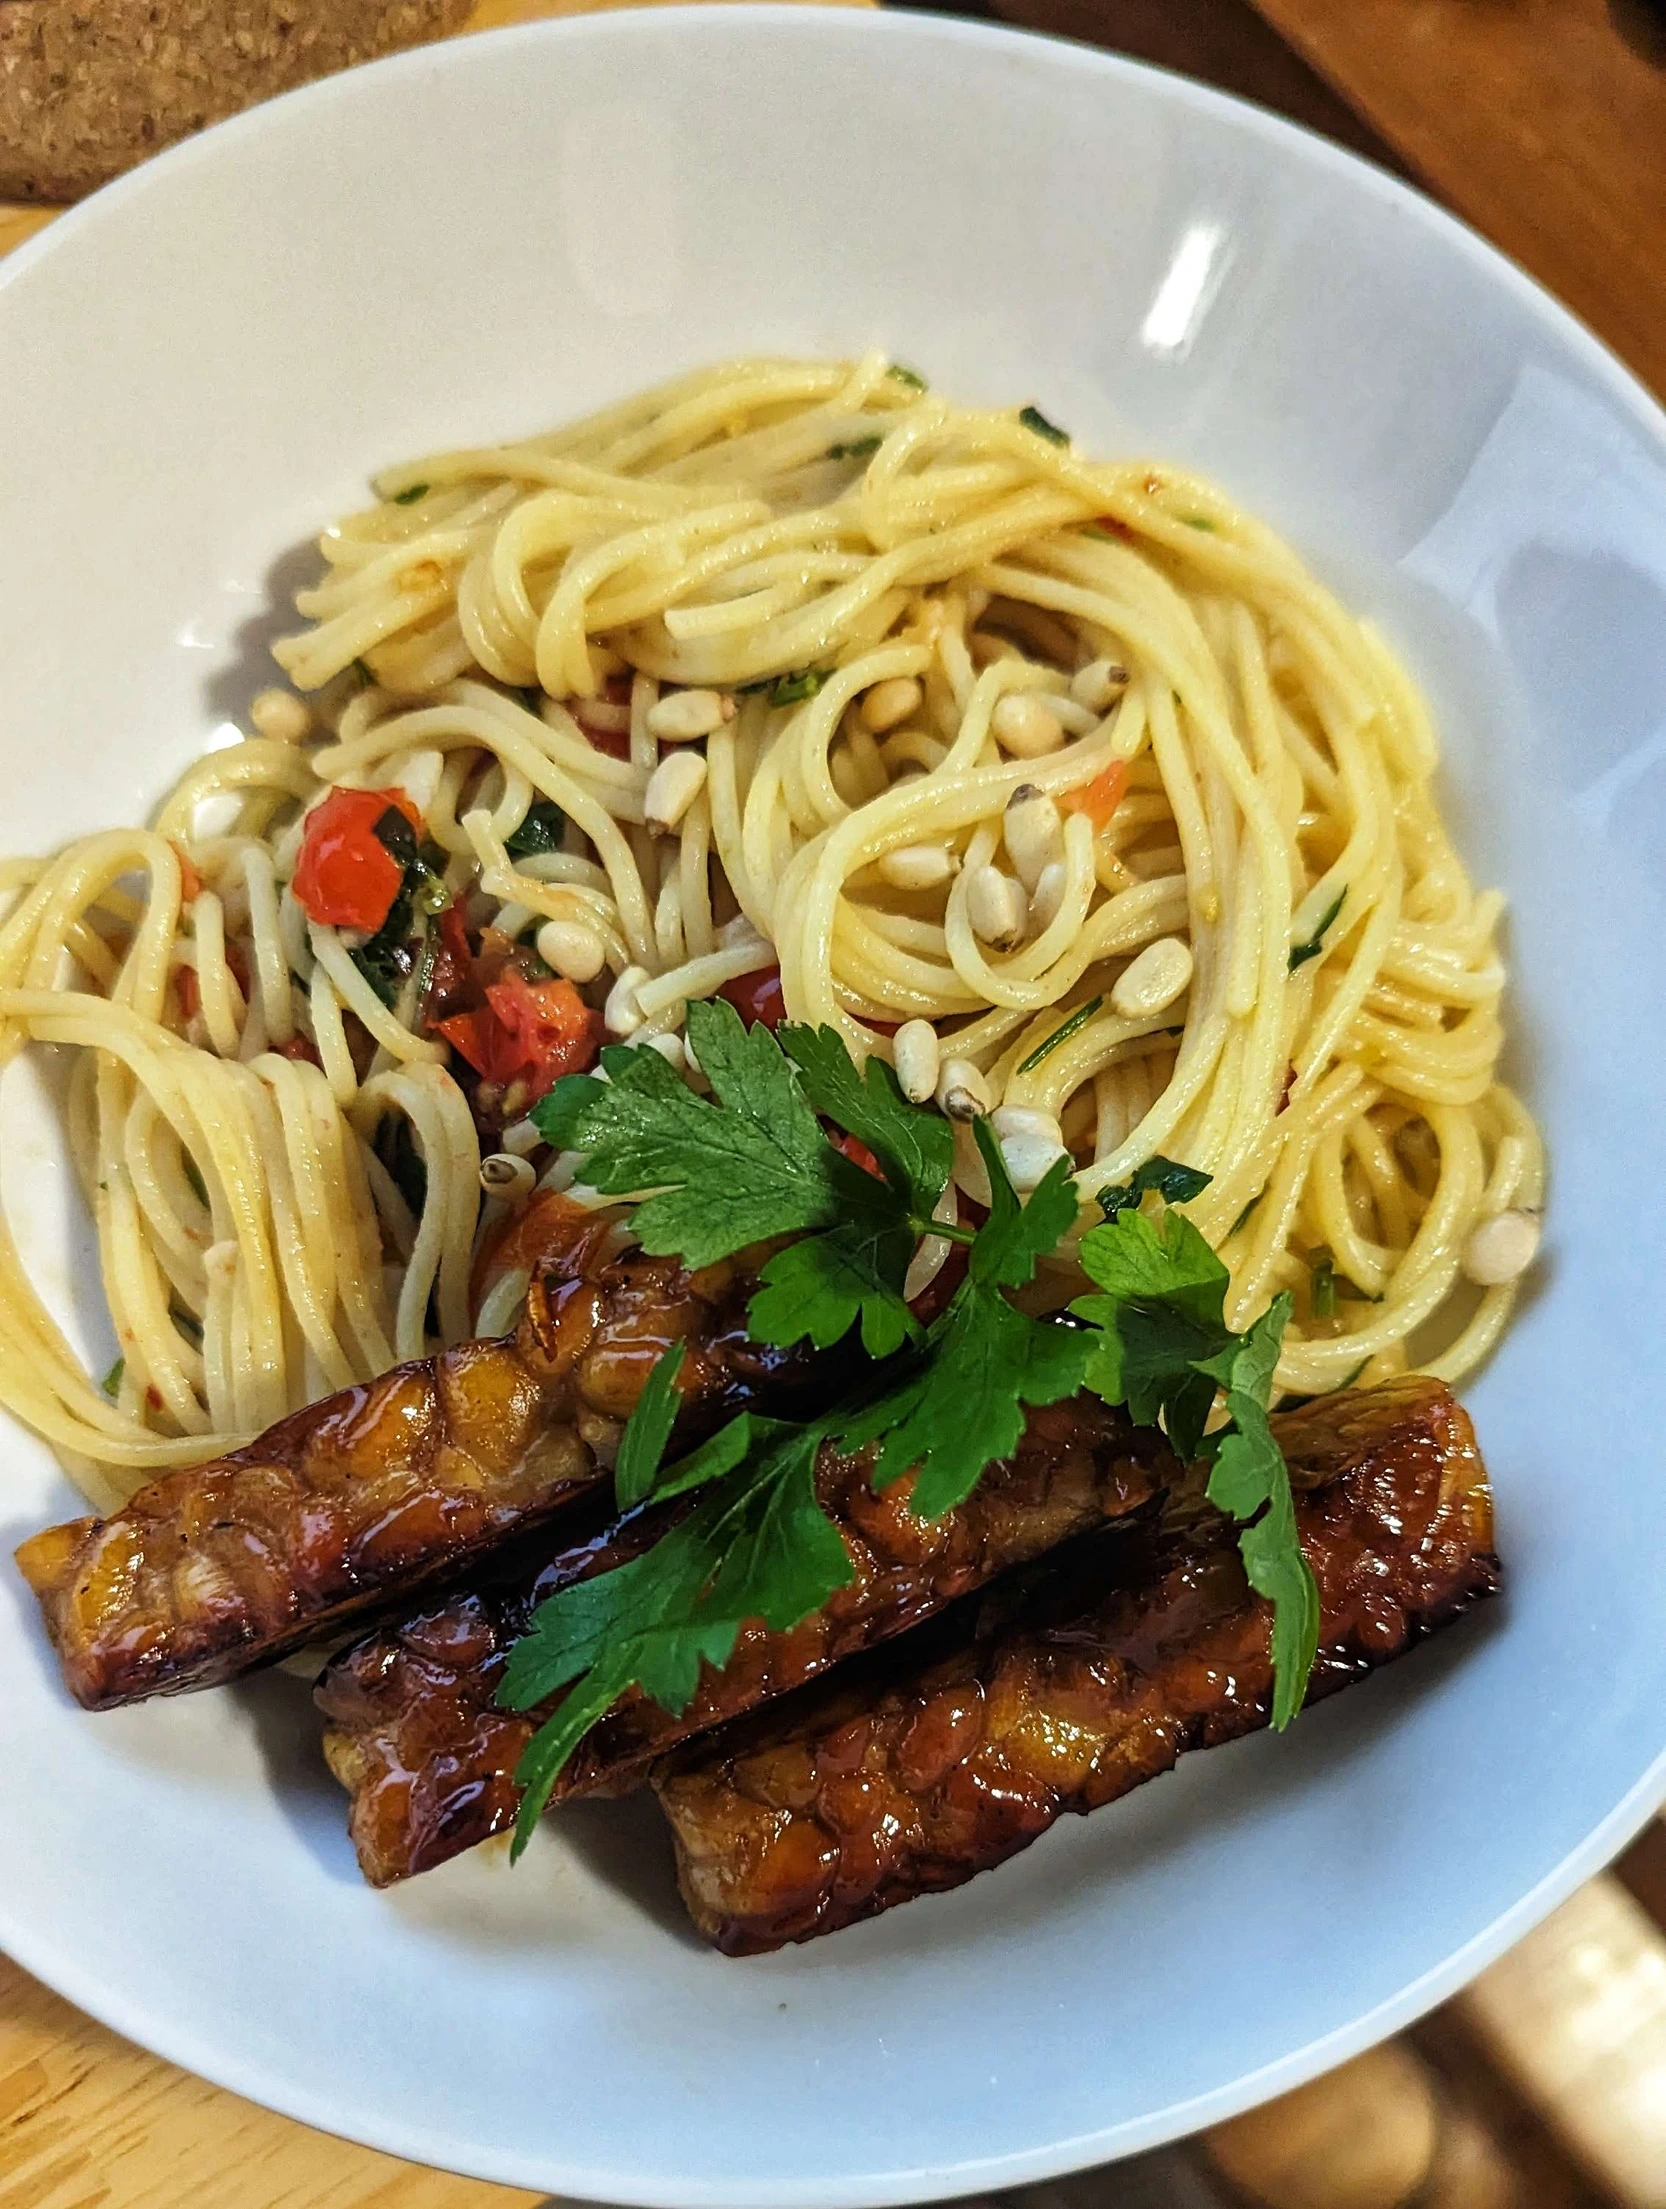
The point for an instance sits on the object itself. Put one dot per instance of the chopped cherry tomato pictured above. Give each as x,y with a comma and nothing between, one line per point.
1100,798
757,997
859,1154
346,877
190,882
616,691
1116,528
300,1047
526,1031
451,983
190,992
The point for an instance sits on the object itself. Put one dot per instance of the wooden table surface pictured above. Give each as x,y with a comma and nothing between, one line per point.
1543,122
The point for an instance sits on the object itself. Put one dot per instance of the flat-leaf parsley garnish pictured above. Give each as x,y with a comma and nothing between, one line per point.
1164,1349
941,1403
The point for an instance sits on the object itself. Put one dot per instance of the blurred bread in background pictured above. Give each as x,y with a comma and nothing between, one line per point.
89,87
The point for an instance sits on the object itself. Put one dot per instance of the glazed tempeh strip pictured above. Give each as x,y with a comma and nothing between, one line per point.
429,1760
864,1793
368,1496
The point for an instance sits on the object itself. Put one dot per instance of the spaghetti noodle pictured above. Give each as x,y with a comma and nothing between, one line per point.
973,724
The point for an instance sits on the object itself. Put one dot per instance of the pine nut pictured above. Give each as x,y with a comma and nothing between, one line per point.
1048,895
280,717
682,715
890,703
916,1055
1098,685
917,867
1024,1120
996,907
504,1175
1033,833
1160,974
622,1015
1028,1160
1501,1249
962,1092
672,788
572,949
1024,727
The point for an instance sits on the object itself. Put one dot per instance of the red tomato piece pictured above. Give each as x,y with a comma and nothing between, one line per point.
526,1031
757,997
346,877
858,1153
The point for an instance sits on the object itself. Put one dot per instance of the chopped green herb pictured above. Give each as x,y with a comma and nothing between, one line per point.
385,959
1164,1350
199,1188
540,829
1322,1285
111,1383
1061,1034
648,1429
410,496
791,690
1300,953
909,376
1244,1215
189,1325
859,448
1033,419
1175,1184
406,1167
1355,1374
1199,521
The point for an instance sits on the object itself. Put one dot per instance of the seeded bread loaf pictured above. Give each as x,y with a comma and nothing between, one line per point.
89,87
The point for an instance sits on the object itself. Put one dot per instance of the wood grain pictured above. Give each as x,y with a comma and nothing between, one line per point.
89,2122
1543,122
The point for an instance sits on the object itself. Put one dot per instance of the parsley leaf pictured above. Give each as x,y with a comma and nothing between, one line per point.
858,448
909,376
648,1429
756,1163
1164,1350
111,1383
1061,1034
1300,953
539,830
410,495
1174,1183
915,1148
960,1404
753,1164
757,1546
1033,419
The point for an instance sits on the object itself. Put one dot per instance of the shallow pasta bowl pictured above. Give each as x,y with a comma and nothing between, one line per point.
200,367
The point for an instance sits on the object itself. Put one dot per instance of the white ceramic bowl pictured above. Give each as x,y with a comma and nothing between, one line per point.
200,368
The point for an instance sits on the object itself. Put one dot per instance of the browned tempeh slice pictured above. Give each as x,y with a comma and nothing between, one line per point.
865,1792
370,1495
429,1760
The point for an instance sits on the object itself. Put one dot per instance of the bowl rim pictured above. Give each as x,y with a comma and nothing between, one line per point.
72,1978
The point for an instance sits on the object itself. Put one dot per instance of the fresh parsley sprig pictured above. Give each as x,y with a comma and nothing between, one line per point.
1164,1349
757,1546
755,1163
